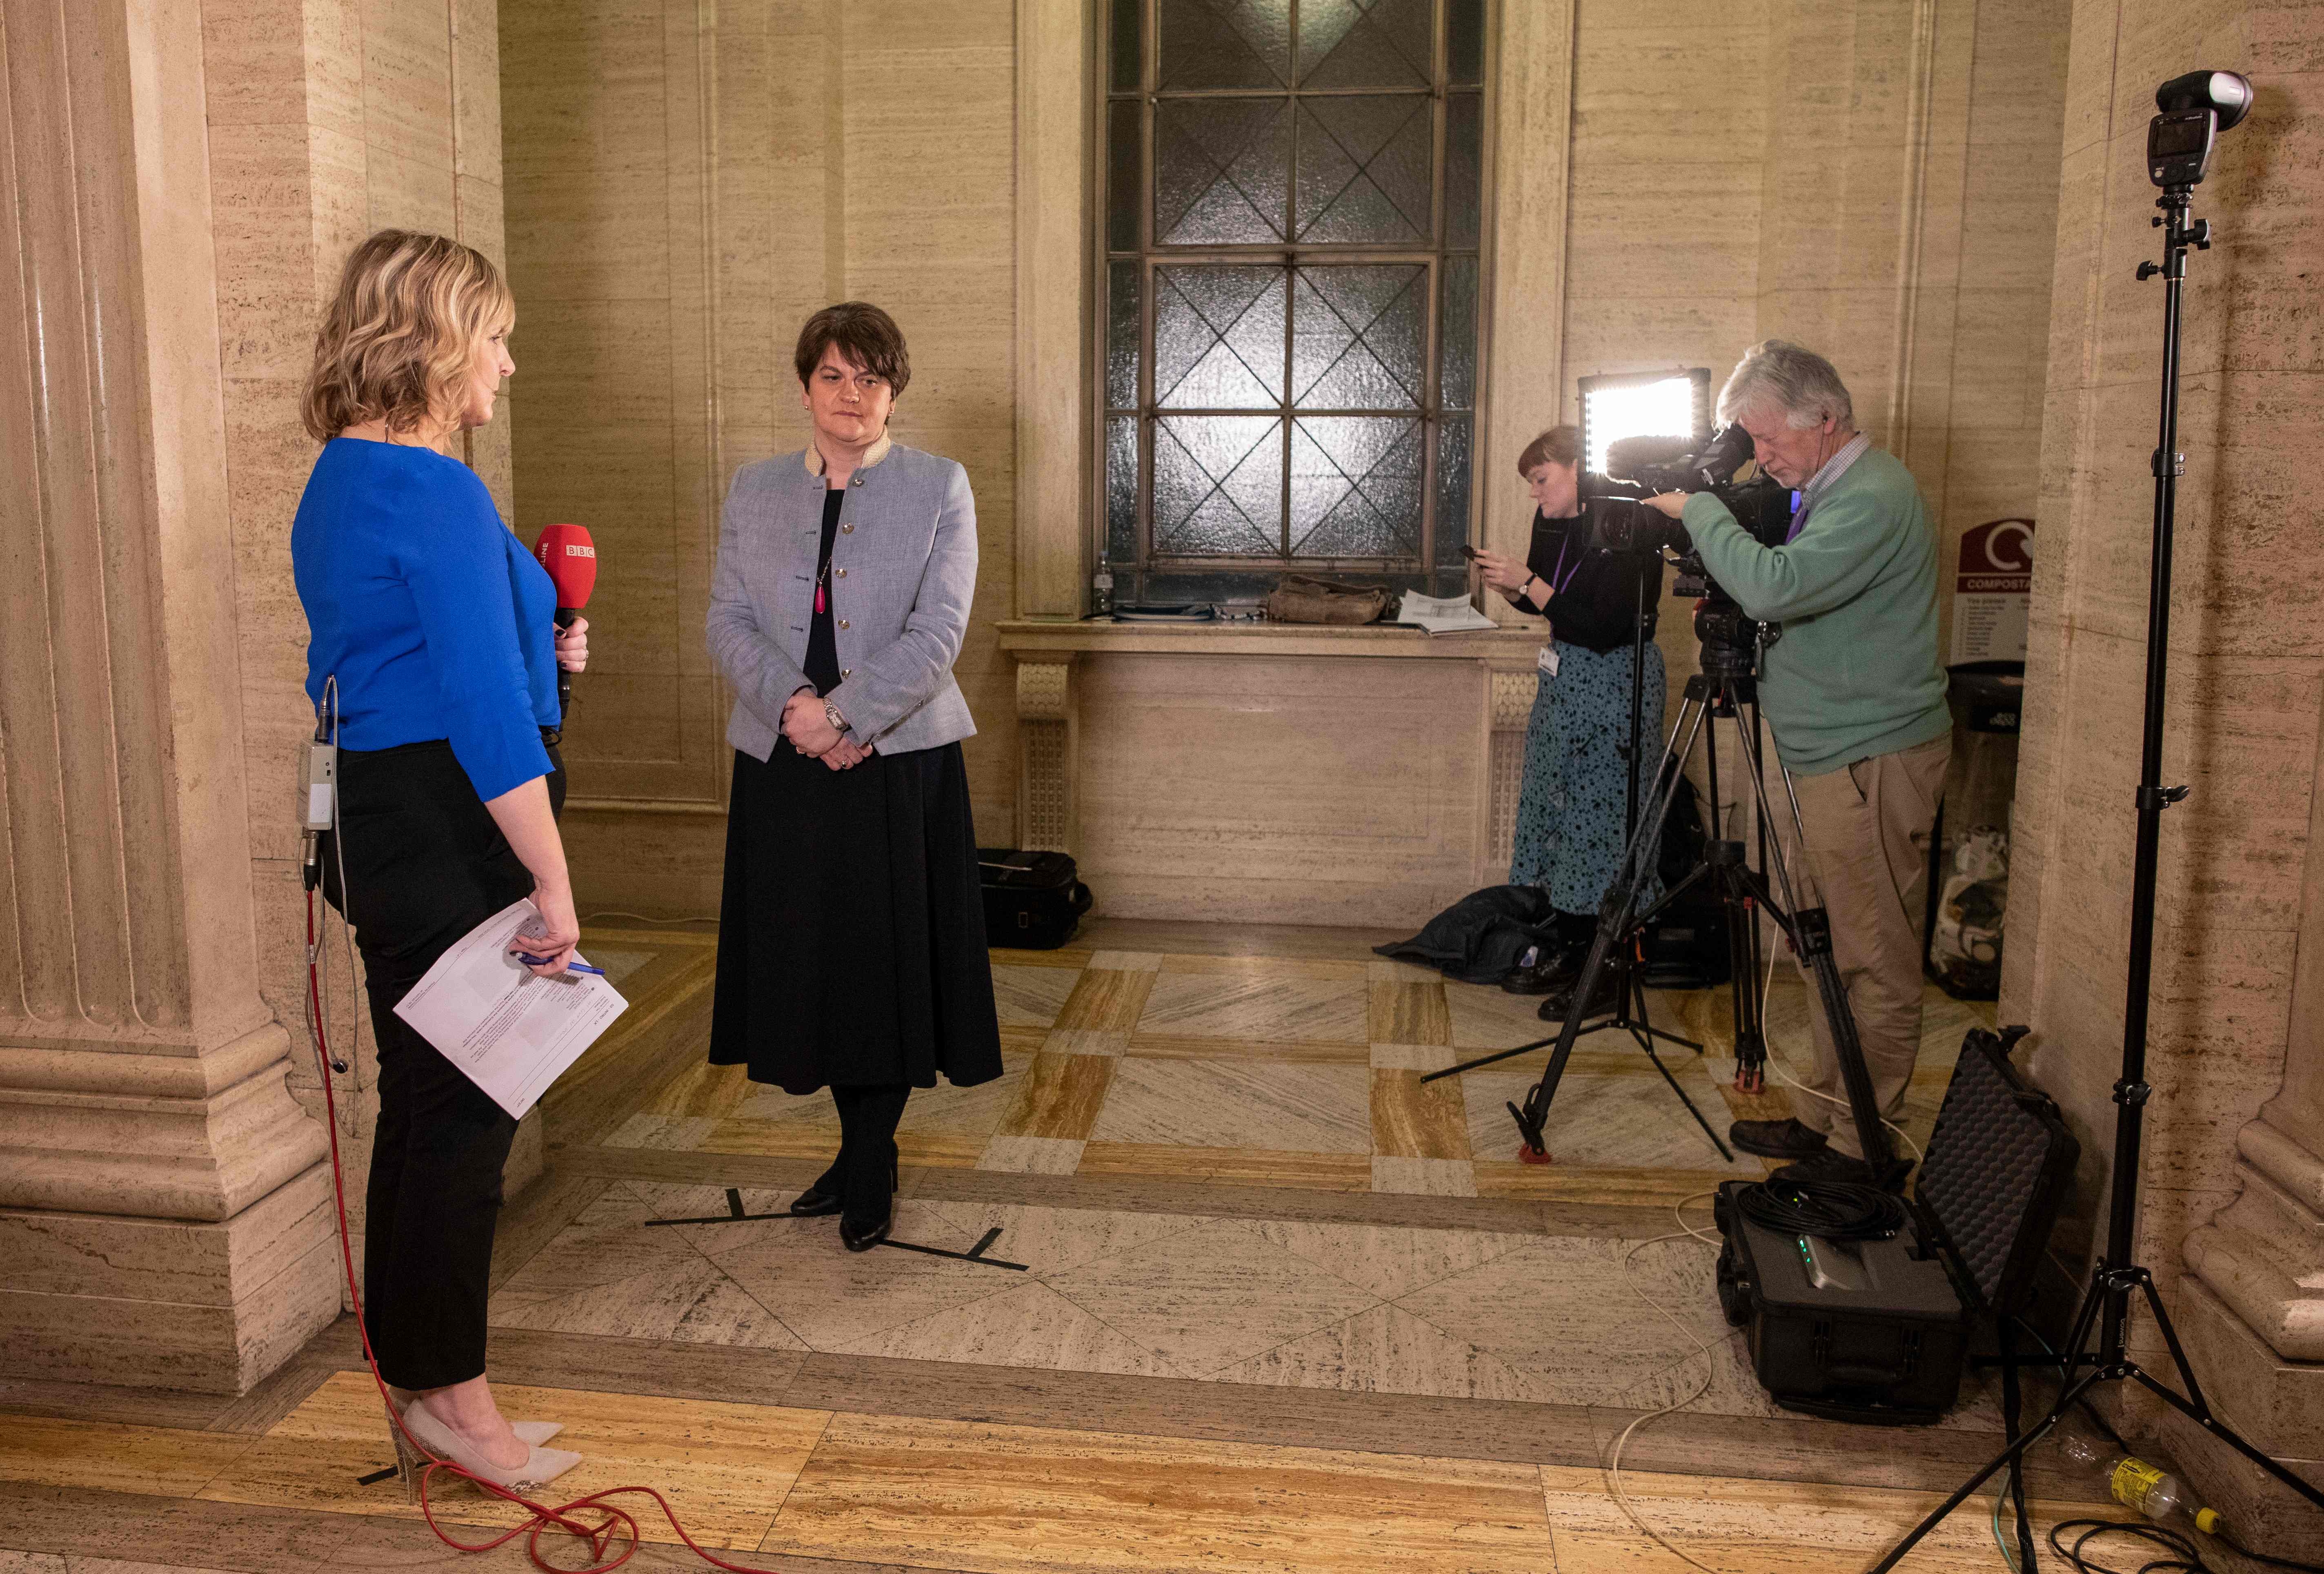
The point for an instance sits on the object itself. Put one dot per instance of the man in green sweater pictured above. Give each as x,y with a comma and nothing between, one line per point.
1854,695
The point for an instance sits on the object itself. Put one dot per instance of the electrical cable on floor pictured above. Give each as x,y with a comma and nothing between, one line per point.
539,1517
1701,1347
2169,1537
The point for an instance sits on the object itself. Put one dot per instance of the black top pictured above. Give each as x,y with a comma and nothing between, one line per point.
1598,609
822,645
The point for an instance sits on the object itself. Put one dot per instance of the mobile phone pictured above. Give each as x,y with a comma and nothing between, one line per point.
1467,551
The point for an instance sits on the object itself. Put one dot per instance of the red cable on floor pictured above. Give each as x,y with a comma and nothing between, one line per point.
541,1519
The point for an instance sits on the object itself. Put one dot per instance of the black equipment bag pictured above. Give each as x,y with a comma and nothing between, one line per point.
1995,1177
1685,946
1866,1331
1032,901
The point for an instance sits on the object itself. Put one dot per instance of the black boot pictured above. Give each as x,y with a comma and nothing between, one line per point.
1602,999
825,1196
861,1235
868,1119
1553,969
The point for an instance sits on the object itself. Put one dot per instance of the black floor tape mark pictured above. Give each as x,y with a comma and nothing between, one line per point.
734,1213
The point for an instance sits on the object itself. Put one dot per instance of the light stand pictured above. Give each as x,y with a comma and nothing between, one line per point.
2179,146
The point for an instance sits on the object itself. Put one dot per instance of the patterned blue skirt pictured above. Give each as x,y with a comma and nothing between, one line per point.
1577,775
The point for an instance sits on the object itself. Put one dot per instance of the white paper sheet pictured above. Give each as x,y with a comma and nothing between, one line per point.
511,1032
1442,615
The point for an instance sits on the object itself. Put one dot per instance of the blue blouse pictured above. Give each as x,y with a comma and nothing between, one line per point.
435,619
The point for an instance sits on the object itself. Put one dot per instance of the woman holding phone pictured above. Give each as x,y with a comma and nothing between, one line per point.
1573,805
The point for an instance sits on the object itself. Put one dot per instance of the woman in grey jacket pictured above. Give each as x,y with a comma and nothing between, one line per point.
850,940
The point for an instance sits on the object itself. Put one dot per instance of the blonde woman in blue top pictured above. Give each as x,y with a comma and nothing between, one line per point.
432,630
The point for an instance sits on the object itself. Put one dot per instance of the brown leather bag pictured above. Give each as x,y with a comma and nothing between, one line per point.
1303,598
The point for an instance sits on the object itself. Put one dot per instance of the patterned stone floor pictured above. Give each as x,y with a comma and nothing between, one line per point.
1267,1077
1301,1072
1230,1289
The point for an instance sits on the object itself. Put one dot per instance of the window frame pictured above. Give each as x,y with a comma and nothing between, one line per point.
1430,253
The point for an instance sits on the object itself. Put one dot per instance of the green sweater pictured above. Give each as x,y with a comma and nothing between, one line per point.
1855,673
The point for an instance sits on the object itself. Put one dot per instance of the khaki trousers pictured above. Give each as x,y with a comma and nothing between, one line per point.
1868,826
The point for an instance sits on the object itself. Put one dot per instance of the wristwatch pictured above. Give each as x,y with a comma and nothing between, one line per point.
830,714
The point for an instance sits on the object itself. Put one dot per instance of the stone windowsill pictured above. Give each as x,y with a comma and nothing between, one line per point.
1041,636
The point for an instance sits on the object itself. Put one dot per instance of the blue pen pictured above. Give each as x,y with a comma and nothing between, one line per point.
529,961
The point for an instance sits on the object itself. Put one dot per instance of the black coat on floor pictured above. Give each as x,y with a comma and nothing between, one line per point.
1479,938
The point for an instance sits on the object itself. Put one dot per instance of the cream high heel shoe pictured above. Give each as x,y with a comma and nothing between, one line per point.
535,1432
542,1465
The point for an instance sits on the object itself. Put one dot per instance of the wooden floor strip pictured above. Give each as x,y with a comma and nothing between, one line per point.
159,1461
1281,1051
1583,1183
1234,1166
725,1468
1010,1499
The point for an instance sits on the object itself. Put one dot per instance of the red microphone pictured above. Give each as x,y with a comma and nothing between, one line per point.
570,557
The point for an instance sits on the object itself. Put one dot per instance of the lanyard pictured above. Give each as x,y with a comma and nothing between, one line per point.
1557,586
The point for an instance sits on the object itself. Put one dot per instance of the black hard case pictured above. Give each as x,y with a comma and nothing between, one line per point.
1999,1162
1990,1188
1889,1352
1032,901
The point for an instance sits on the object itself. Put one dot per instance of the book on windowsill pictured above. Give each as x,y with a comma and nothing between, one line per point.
1442,615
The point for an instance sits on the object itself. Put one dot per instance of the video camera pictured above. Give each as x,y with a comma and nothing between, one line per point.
1621,522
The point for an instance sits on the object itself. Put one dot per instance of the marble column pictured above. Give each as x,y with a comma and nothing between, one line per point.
164,1202
327,120
2252,1310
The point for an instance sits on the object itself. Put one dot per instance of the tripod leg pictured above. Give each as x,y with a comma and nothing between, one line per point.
1812,935
1613,923
2011,1455
2226,1434
2195,1408
2010,1397
1751,1045
1648,1045
1497,1055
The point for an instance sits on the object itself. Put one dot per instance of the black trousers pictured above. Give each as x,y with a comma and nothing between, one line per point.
863,1175
425,864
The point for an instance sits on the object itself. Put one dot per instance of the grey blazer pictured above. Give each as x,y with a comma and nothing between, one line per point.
903,574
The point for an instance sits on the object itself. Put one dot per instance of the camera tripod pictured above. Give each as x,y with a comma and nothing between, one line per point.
1726,687
1628,1014
2105,1305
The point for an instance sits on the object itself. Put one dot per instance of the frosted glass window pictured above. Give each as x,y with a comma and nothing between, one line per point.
1291,267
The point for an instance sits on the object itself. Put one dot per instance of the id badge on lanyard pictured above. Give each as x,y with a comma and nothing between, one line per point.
1547,660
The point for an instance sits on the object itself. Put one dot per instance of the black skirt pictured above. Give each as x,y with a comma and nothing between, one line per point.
851,933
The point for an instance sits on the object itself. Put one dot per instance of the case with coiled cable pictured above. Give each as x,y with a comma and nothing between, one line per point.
1858,1306
1865,1331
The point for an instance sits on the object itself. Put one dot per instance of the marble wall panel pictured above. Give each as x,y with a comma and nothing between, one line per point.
1278,790
846,152
407,77
929,130
1693,231
1655,252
